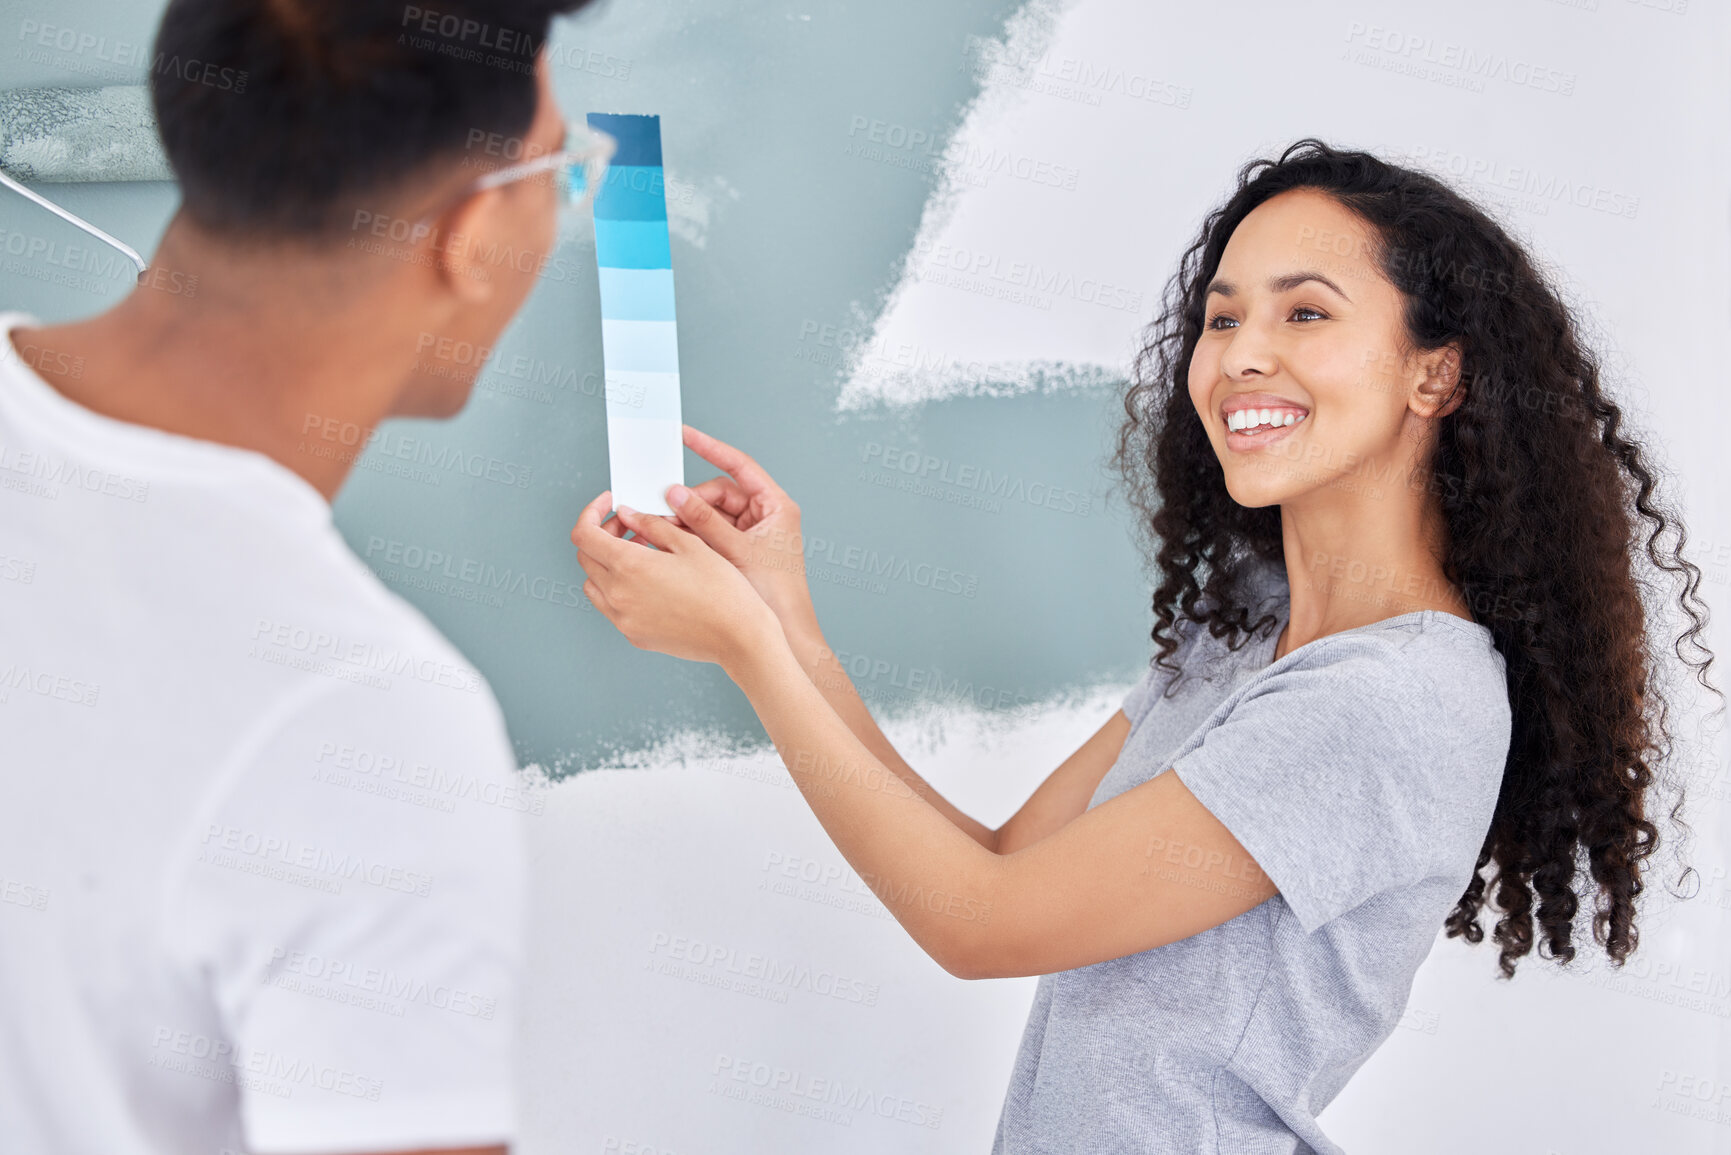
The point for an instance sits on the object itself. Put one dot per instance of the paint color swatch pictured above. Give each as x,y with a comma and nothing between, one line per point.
639,341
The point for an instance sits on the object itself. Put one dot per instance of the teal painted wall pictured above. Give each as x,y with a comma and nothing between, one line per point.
786,233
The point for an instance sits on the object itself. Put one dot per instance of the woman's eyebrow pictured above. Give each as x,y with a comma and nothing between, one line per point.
1278,284
1287,281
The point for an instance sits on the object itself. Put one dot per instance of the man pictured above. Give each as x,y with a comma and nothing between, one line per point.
230,921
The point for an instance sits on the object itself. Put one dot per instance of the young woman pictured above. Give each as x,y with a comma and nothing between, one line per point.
1401,638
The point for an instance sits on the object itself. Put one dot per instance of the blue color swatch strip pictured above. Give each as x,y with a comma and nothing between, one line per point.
638,335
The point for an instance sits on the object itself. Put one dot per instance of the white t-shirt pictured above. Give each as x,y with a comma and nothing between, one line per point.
262,870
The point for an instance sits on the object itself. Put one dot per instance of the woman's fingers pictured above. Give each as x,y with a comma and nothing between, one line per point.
680,597
657,531
598,599
747,472
591,517
716,530
720,493
598,545
591,564
597,509
723,495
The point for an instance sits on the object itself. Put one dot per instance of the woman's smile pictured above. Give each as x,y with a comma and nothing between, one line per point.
1254,420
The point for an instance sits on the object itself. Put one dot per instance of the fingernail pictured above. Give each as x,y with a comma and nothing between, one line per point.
677,495
625,509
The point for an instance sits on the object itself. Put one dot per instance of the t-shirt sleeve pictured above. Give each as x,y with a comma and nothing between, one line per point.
1156,678
1141,696
354,899
1329,774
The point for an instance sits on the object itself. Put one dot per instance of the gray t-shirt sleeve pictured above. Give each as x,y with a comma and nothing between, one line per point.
1141,696
1331,774
1153,682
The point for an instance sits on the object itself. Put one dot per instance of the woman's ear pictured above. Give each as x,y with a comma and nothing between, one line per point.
1441,391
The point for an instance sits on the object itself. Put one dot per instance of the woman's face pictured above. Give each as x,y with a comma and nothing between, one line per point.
1303,344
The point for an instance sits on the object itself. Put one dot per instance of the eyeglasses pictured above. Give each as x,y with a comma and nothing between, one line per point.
578,167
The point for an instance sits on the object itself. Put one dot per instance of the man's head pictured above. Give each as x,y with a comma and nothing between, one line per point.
346,135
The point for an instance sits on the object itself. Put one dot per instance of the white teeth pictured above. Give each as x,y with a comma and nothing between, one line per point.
1248,420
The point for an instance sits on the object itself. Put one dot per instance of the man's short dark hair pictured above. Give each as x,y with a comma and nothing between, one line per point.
280,117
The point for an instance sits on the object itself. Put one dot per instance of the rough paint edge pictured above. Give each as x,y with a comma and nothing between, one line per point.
908,389
920,728
1026,36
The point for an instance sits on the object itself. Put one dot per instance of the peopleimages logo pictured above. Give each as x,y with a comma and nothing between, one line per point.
35,680
797,1091
930,259
53,472
869,563
121,57
319,969
180,1050
225,845
357,655
363,768
925,467
1428,58
763,968
348,442
474,572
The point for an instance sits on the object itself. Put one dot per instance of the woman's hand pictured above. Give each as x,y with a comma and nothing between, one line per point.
679,598
751,521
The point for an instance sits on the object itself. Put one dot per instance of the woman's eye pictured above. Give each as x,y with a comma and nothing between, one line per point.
1214,321
1315,314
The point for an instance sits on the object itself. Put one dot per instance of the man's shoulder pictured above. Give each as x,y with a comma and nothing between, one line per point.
380,723
383,737
337,618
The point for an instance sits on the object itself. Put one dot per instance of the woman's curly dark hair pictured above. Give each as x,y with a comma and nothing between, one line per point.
1549,508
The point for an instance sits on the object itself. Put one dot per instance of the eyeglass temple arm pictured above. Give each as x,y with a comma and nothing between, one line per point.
73,219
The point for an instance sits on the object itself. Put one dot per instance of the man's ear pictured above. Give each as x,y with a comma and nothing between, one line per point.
464,232
1441,390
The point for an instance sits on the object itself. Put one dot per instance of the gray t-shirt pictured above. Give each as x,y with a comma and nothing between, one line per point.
1360,771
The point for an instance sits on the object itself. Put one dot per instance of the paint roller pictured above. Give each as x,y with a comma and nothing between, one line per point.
73,136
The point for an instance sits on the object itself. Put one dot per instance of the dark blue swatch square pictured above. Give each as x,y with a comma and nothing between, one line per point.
639,137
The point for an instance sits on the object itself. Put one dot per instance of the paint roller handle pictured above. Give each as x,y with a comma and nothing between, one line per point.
74,220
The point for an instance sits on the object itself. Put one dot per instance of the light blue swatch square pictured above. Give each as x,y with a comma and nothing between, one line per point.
637,294
640,346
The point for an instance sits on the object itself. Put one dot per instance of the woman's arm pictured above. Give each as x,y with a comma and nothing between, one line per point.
1062,796
1065,793
830,679
752,522
1148,867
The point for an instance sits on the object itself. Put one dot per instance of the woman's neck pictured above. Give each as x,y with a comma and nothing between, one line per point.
1363,559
